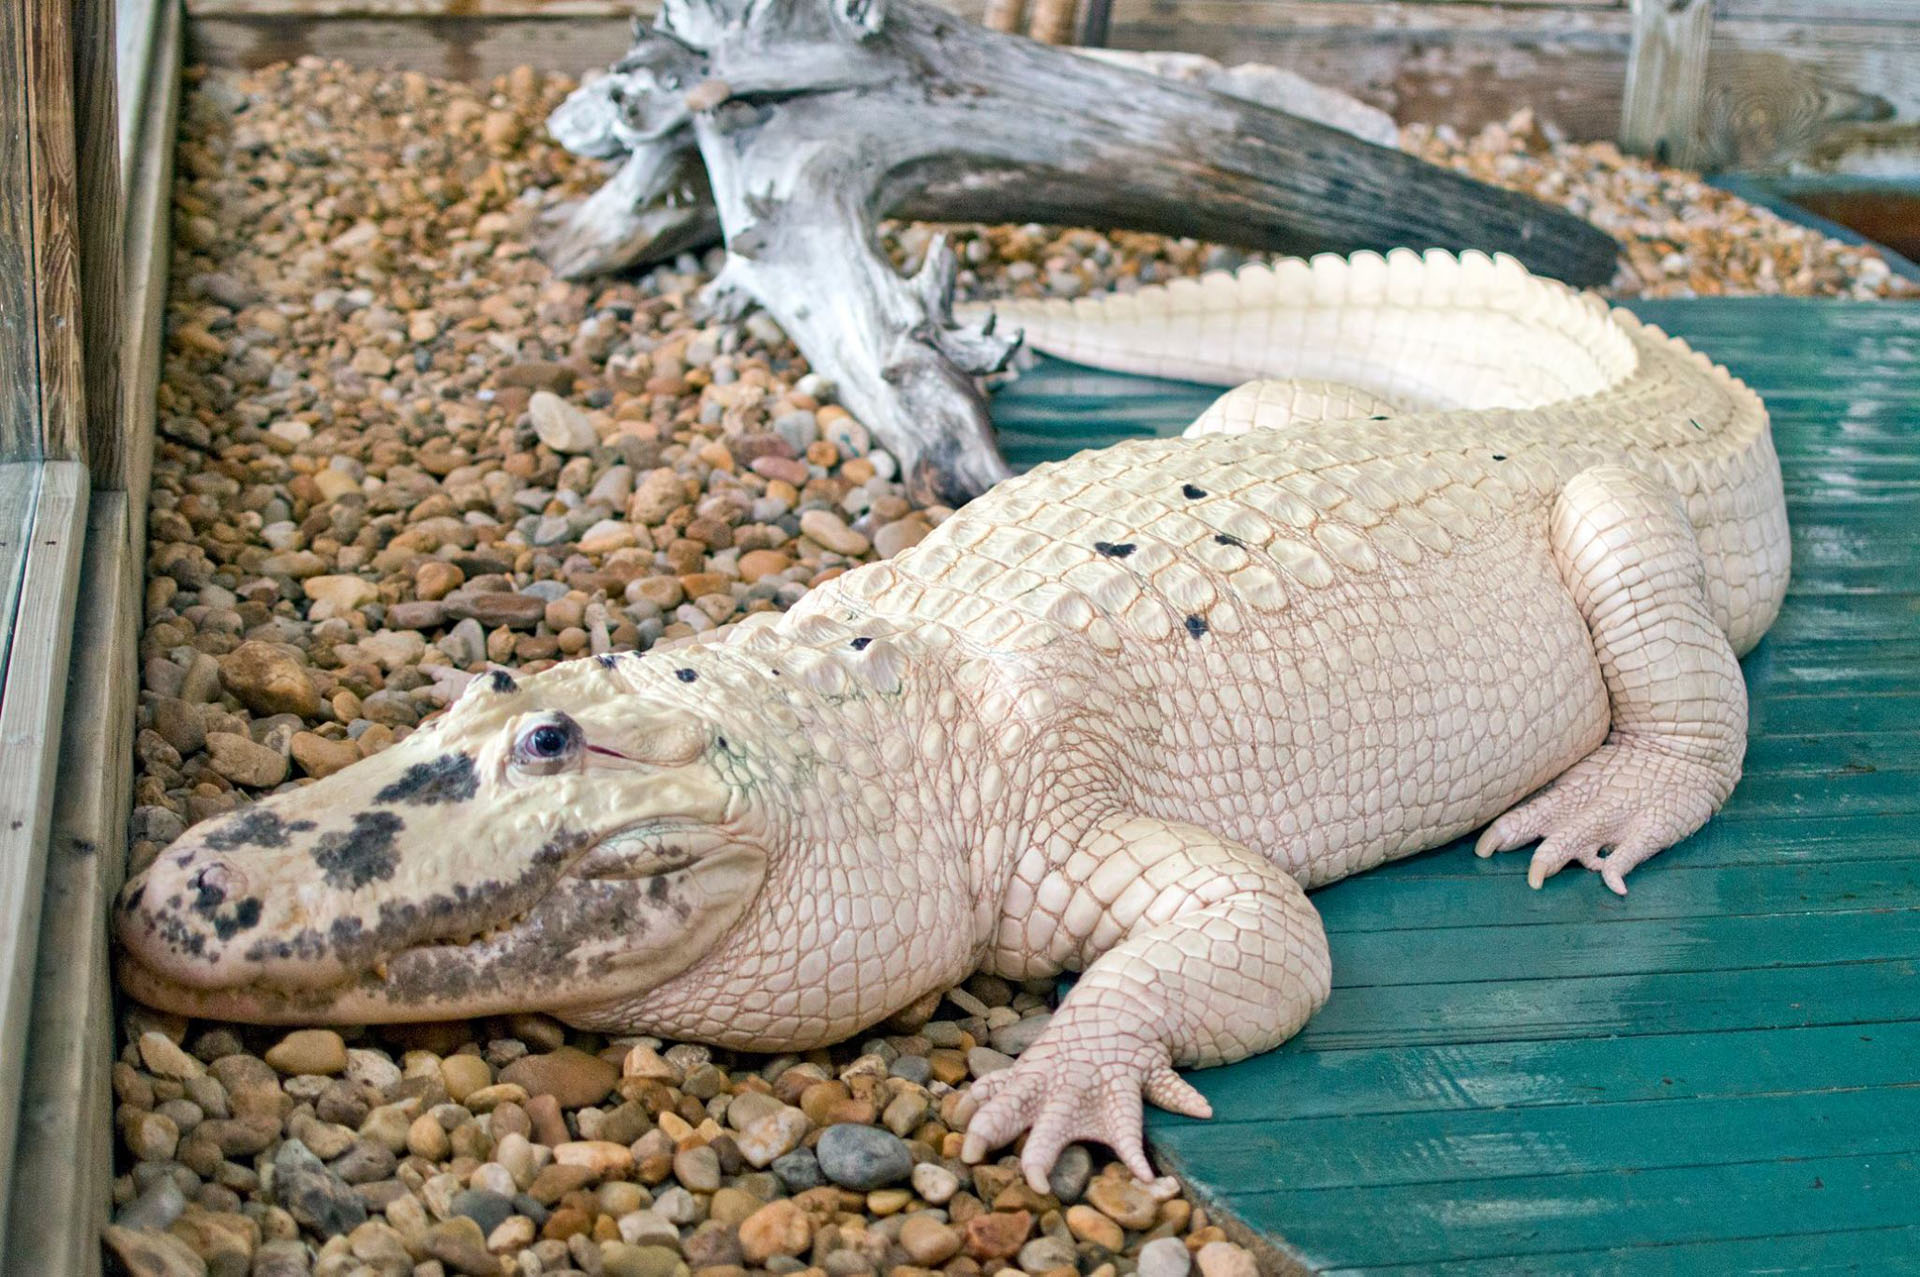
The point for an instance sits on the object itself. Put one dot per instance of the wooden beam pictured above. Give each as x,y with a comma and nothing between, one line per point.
136,26
63,1167
42,374
147,231
97,216
1667,79
32,706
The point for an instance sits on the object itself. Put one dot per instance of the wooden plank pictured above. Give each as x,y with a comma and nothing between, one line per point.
52,320
19,356
148,230
1537,1216
1667,79
1886,1249
19,487
1479,1148
1758,976
1609,1006
64,1167
1456,888
452,48
1823,93
136,26
1511,1077
31,708
1779,937
97,215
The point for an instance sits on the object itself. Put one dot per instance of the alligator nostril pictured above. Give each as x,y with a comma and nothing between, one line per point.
211,884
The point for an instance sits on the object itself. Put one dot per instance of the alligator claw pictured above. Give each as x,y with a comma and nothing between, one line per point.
1068,1090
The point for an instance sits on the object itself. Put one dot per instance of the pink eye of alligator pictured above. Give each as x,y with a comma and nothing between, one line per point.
548,746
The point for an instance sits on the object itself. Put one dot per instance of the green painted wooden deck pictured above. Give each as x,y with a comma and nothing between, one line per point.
1719,1073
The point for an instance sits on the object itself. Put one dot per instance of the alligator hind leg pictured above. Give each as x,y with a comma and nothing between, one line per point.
1679,705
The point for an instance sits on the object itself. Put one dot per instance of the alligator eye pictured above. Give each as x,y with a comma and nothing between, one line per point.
548,746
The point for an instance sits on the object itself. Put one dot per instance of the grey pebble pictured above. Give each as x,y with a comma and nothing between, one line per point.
489,1210
917,1069
1070,1174
799,1170
863,1157
1165,1257
312,1194
154,1209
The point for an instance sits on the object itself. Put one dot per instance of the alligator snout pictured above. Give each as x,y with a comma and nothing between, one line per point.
182,915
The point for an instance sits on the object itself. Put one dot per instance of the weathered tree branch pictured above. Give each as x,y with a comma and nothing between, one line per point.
813,118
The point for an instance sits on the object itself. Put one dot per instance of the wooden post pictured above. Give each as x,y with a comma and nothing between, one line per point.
1005,15
1052,21
42,371
102,299
1666,88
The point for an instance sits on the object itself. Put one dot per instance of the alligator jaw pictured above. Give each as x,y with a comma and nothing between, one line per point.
626,915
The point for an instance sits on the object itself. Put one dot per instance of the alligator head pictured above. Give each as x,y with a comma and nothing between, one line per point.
560,841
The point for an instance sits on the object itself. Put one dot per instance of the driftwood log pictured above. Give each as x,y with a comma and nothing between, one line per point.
788,127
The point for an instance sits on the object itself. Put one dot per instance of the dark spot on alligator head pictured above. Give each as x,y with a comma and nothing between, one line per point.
1227,538
503,682
860,644
352,858
1378,417
449,778
1499,456
1196,625
1192,493
241,917
685,676
606,660
256,827
1113,551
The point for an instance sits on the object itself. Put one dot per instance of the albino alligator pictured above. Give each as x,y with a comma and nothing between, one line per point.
1113,717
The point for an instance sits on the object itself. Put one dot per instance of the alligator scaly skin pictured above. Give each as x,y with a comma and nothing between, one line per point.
1462,534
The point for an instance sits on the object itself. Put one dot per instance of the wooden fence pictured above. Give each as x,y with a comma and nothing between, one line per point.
1730,84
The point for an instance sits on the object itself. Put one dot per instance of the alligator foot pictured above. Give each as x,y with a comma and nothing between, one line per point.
1630,799
1678,705
1083,1087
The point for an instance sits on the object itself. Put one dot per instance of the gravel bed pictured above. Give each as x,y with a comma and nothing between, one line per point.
394,449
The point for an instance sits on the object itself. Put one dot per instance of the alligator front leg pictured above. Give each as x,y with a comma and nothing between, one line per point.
1678,703
1196,951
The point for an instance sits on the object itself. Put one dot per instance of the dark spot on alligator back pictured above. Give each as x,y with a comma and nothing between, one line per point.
1227,538
860,644
1196,625
449,778
1113,551
685,676
503,682
352,858
1192,493
256,827
606,660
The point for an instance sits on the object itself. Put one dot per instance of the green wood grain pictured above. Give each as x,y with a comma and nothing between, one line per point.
1384,1149
1485,1076
1856,1251
1359,1227
1719,1073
